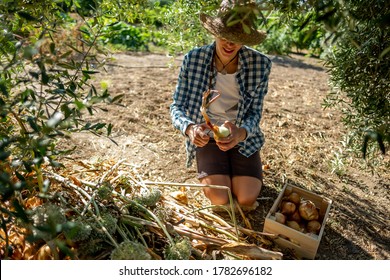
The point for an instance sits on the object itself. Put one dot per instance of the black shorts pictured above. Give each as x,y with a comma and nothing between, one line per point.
212,161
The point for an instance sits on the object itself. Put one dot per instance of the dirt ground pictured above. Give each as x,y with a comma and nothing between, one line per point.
304,147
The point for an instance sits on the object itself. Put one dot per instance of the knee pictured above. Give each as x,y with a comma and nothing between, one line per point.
216,197
246,200
246,190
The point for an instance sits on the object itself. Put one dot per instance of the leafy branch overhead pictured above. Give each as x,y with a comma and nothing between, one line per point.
50,53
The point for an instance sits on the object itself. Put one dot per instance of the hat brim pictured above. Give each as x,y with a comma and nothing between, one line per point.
234,33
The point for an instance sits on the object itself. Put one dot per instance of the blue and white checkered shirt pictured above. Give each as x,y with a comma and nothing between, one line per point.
252,78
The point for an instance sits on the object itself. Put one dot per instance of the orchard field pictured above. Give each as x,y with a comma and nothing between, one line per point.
92,168
304,147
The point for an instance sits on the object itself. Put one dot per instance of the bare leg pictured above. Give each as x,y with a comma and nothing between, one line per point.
246,189
217,196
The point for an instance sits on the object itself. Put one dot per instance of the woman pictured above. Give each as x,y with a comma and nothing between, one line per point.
240,75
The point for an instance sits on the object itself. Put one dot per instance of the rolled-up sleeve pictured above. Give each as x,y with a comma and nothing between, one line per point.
251,120
179,106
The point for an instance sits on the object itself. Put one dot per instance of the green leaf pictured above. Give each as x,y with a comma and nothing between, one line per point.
86,75
98,126
4,155
3,88
91,72
117,98
66,110
233,22
27,16
20,213
246,28
27,166
33,124
53,48
109,129
80,105
45,78
306,22
20,176
66,66
384,53
63,248
66,54
375,136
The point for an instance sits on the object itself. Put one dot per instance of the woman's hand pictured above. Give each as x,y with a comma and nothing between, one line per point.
197,134
237,134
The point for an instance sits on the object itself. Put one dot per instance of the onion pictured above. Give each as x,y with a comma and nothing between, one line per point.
280,218
308,210
288,208
288,191
223,131
295,216
313,226
295,198
294,225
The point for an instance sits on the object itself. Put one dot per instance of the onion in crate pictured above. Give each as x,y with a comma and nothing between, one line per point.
308,210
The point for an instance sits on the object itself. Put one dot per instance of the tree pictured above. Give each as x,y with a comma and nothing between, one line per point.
359,66
47,60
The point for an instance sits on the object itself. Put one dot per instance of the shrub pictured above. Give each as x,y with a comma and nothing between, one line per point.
47,62
359,71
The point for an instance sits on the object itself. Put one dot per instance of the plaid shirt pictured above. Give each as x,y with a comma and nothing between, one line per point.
252,77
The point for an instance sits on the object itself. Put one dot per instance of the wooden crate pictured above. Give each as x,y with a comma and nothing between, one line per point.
304,245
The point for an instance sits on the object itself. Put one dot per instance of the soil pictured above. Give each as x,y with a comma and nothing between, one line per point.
305,147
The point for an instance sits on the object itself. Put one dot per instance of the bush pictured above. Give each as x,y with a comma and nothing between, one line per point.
359,71
122,34
45,90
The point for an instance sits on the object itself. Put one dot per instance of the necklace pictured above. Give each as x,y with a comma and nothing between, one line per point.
223,70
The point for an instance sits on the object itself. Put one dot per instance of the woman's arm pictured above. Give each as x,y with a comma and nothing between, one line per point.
179,106
252,116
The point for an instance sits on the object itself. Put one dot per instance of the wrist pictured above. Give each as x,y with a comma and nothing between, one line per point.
243,134
189,129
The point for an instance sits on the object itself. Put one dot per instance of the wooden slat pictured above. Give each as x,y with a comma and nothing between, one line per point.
304,245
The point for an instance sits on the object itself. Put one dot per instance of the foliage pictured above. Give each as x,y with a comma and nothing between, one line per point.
357,34
50,51
182,29
295,33
47,62
359,69
86,7
129,250
179,250
125,35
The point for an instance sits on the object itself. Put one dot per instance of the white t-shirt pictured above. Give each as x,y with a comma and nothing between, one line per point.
226,106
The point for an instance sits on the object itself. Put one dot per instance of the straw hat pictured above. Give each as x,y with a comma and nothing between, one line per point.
232,25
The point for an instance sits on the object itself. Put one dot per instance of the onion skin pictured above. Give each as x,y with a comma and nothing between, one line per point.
288,208
294,198
223,131
294,225
295,216
280,218
287,192
308,211
313,226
